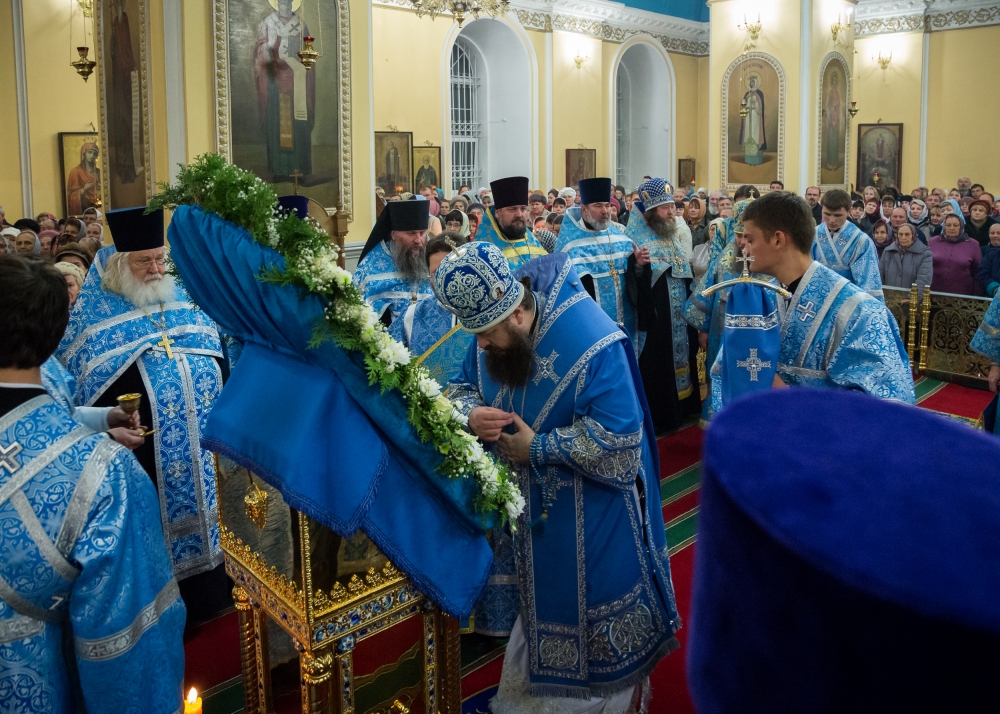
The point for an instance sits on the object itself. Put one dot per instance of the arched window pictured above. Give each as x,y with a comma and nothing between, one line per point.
466,127
643,116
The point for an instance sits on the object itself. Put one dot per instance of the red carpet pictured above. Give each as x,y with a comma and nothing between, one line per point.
956,400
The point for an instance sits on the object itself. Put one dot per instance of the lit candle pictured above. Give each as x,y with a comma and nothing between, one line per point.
193,703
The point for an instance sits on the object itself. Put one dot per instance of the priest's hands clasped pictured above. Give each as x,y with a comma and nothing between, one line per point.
488,423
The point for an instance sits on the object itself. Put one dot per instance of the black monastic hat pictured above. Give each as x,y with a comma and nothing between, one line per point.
595,190
510,191
398,216
133,229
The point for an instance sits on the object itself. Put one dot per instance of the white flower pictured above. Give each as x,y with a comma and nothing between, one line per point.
429,387
473,452
515,506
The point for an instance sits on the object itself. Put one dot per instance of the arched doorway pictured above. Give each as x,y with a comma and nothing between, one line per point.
643,137
490,113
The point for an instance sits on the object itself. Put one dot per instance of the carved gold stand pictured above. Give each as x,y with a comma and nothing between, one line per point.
325,626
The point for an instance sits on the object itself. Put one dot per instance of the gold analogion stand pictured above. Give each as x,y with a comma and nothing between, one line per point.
326,593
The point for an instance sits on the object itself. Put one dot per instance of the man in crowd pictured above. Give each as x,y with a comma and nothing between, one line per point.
833,334
964,185
812,198
134,331
90,616
713,202
587,449
933,199
776,186
392,271
897,217
844,248
505,224
599,252
658,278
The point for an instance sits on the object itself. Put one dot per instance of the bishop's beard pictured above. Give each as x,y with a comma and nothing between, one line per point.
511,365
664,228
412,267
154,289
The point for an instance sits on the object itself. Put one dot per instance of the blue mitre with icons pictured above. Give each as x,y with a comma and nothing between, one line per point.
474,282
751,341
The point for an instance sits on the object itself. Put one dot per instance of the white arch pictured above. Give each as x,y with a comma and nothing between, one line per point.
532,150
671,123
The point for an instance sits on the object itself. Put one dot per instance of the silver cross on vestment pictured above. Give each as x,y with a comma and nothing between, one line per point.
806,312
753,364
546,368
7,460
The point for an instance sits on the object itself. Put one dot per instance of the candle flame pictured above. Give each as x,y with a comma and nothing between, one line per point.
192,696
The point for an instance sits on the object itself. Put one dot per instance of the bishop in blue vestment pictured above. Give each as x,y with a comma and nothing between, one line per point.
833,334
844,248
986,342
90,613
392,272
552,384
505,223
599,251
135,331
659,276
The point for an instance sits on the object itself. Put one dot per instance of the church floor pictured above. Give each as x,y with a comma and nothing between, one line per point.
212,650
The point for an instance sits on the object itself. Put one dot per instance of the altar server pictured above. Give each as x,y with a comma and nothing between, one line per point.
90,613
554,384
505,223
833,333
134,330
392,272
844,248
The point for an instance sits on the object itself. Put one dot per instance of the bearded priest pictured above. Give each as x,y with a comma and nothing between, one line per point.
552,387
505,223
136,331
392,271
600,252
659,277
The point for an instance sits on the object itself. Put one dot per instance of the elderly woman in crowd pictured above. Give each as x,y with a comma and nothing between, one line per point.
8,237
457,222
978,225
697,219
988,275
74,280
27,243
76,254
906,261
919,217
936,217
956,259
47,240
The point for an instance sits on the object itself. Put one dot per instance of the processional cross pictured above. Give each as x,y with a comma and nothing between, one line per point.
746,260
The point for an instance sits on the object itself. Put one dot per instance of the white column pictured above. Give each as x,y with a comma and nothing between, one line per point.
21,80
173,56
805,100
550,154
925,53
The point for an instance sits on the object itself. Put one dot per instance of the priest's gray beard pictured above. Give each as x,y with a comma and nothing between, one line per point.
412,268
665,228
599,225
154,289
511,365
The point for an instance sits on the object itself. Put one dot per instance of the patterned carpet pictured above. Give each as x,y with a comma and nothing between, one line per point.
213,650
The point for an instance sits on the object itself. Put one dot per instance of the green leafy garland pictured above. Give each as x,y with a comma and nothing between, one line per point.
311,259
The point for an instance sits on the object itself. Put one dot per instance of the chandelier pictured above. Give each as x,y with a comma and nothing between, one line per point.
460,8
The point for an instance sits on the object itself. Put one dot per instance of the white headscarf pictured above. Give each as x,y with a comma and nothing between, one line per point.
9,235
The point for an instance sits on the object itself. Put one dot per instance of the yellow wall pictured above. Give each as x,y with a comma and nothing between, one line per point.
11,197
692,99
58,99
963,108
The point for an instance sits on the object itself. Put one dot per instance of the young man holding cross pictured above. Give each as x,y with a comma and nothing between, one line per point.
133,330
833,333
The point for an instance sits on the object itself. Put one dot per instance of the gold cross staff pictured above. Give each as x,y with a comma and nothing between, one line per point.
165,344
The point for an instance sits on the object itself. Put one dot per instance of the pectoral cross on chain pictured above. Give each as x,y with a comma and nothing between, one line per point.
746,260
165,344
806,312
7,454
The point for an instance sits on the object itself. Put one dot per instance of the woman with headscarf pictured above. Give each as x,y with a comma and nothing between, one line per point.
74,280
8,235
27,243
83,181
979,222
457,222
906,261
919,217
697,219
47,239
950,207
956,259
881,236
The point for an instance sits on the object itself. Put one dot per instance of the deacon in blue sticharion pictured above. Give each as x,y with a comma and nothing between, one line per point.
553,384
844,248
599,251
392,271
833,333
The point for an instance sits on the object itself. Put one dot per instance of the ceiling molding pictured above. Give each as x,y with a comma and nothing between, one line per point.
605,20
877,17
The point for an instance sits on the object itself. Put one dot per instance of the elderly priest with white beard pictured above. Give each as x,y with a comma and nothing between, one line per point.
136,331
392,271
